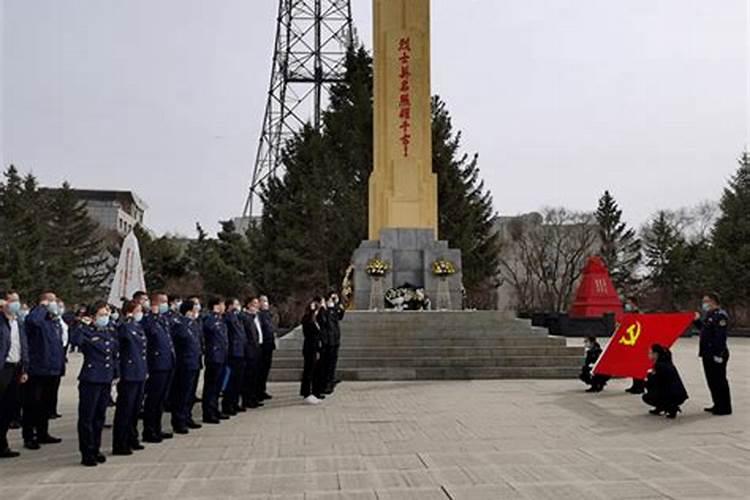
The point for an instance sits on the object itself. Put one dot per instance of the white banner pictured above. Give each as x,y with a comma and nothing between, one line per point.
129,272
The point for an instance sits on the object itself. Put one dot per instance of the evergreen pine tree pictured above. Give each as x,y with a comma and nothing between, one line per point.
465,210
77,259
620,246
731,239
662,242
163,259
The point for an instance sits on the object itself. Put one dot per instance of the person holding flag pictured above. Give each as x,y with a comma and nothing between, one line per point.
664,388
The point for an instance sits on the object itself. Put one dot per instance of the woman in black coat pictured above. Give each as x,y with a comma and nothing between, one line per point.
664,388
311,329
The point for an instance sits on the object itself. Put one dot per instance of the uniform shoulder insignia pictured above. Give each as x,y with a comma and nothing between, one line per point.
723,322
95,338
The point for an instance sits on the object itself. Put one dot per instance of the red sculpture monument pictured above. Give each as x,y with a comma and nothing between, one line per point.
596,294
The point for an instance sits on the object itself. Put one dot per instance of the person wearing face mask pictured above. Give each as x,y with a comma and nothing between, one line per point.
237,337
64,339
251,324
97,341
268,331
638,386
186,334
46,361
161,363
311,348
142,299
216,354
132,348
713,324
14,359
664,388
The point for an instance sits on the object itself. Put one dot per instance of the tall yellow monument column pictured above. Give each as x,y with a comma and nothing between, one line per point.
403,188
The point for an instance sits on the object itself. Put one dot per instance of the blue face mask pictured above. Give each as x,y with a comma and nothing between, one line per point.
102,321
706,307
53,308
115,316
138,317
163,308
22,314
14,308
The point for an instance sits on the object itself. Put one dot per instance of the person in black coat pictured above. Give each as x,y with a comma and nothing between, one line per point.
335,316
97,341
230,404
268,346
311,348
251,323
593,351
714,353
664,388
132,346
216,354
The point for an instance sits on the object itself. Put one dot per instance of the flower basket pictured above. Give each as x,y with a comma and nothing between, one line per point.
443,268
377,268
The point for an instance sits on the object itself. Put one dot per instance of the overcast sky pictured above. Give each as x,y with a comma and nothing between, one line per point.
561,98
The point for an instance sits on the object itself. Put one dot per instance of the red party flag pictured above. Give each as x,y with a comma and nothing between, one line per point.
626,354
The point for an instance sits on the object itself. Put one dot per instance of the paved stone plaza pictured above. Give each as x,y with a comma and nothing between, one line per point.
425,440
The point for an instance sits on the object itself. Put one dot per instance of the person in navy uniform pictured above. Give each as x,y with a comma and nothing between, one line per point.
161,363
46,361
237,347
132,346
97,341
269,345
14,358
714,325
251,322
186,335
216,354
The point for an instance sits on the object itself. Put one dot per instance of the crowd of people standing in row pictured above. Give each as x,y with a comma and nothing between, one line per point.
663,388
154,350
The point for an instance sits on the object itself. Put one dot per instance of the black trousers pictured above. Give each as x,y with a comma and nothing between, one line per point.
9,399
264,369
232,392
309,373
125,427
93,400
53,400
183,390
38,396
332,364
718,385
250,380
157,390
213,378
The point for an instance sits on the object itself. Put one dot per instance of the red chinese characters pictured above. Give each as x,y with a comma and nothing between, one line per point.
404,104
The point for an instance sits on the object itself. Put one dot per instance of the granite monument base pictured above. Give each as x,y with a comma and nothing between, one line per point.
410,254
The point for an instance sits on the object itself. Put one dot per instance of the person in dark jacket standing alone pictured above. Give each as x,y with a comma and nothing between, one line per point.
97,341
216,342
132,346
161,362
46,361
714,326
237,335
664,388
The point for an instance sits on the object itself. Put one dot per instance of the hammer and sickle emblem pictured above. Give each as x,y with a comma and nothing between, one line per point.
631,335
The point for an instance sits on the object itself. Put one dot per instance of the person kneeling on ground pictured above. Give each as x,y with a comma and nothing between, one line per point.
593,351
664,388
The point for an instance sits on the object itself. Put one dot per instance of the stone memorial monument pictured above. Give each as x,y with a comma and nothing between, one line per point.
403,206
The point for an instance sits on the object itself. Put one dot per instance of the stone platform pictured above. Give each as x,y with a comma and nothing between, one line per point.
432,345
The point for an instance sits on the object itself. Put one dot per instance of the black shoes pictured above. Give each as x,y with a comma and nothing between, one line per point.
49,440
635,390
209,420
89,461
8,453
137,447
594,388
266,396
656,411
713,410
166,435
672,413
100,458
150,438
181,430
122,452
223,416
193,425
31,445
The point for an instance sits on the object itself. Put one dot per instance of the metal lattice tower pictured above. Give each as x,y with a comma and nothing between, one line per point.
312,39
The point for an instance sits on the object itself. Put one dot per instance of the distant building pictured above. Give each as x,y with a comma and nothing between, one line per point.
118,211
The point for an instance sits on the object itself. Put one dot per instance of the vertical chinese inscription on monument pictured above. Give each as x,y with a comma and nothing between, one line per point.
404,106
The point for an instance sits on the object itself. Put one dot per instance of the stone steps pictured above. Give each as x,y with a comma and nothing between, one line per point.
437,346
